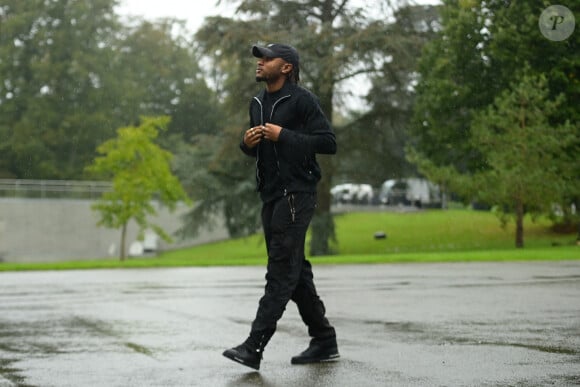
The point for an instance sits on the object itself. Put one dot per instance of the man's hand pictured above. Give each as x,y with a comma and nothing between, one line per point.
271,132
253,136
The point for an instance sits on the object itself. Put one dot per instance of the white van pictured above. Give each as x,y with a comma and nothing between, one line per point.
410,191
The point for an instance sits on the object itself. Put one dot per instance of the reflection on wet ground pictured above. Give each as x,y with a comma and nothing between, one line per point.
440,324
10,373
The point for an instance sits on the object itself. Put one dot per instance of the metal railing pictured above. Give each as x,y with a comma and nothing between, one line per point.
53,189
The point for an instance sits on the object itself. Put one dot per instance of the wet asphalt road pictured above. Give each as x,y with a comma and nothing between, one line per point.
476,324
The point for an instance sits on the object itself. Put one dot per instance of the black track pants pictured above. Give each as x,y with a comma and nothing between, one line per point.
289,274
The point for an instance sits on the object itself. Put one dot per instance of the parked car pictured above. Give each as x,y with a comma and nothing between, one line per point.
364,194
350,193
410,191
342,193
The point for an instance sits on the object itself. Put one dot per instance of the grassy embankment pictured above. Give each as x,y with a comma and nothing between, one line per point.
425,236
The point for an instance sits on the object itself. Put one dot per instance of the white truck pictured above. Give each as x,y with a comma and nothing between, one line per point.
410,191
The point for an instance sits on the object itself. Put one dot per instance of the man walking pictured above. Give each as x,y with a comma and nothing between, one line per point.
287,129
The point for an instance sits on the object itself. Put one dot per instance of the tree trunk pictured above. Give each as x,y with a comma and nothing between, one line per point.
443,193
123,241
323,223
519,224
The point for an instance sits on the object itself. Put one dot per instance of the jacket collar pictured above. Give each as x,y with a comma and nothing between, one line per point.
287,89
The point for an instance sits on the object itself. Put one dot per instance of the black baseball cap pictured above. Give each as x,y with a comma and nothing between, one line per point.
276,50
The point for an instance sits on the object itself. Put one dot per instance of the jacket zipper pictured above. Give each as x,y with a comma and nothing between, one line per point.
276,103
275,149
258,180
292,206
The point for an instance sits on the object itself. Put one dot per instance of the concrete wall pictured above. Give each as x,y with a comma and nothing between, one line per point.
34,230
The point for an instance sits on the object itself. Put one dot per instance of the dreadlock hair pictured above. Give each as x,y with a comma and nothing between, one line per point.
294,75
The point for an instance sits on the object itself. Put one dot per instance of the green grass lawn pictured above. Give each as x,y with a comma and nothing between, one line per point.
424,236
438,231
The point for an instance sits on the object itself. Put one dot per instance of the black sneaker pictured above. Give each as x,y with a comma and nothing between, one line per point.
319,350
244,355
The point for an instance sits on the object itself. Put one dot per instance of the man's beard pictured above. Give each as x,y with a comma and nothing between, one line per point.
268,78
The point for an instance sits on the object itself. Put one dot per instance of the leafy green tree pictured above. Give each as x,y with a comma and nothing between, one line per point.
141,173
481,49
337,41
55,81
207,173
74,73
159,70
525,169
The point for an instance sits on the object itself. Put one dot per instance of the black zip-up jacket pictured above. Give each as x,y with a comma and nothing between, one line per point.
292,159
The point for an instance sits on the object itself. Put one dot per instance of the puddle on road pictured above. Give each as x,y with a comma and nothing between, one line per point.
398,326
100,328
425,333
556,277
139,349
404,326
9,372
47,338
50,337
534,347
531,281
20,338
253,378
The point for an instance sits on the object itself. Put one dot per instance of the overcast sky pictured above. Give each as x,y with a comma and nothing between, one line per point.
192,11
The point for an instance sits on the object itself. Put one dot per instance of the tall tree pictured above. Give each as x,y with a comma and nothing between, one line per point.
373,143
526,168
216,178
336,39
55,82
141,173
480,50
72,73
159,70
